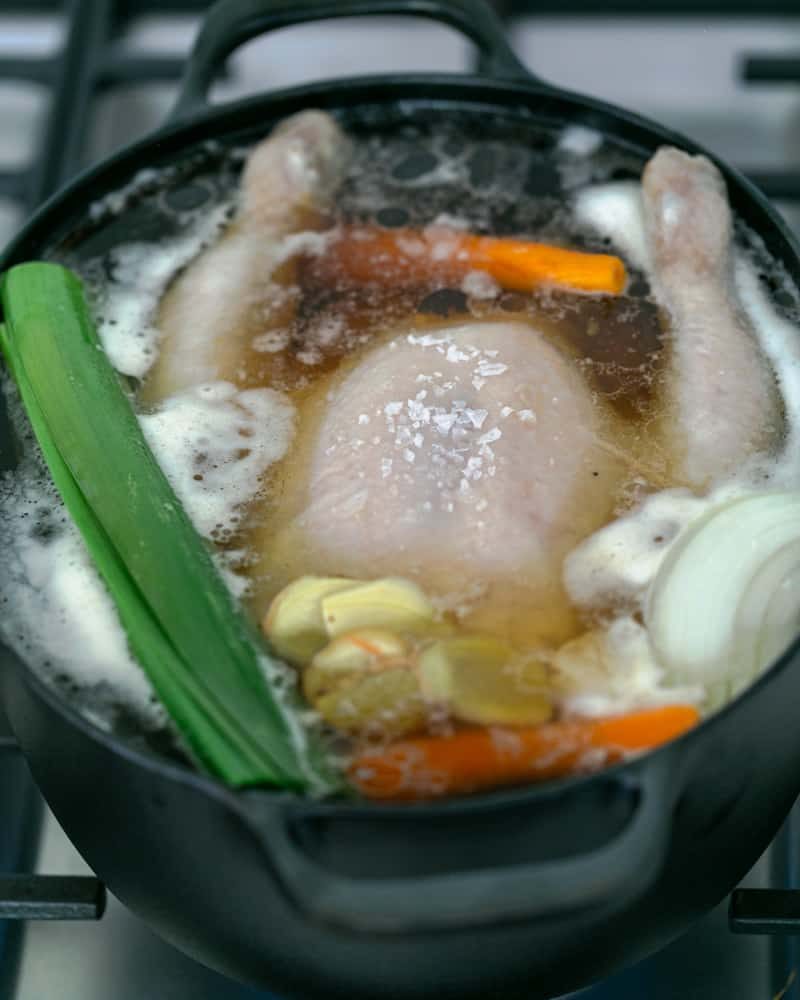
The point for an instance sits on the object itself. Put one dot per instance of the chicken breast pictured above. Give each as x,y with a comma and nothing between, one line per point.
722,402
466,455
231,291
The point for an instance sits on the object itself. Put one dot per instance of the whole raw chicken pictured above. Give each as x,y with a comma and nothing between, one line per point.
472,457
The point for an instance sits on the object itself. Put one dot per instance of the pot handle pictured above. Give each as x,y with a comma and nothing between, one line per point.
613,873
230,23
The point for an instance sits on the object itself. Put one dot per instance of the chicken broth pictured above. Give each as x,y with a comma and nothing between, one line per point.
467,484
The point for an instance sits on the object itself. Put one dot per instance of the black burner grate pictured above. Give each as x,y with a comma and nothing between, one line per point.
89,62
769,69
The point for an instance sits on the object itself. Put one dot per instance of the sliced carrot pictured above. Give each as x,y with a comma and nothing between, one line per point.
368,255
478,759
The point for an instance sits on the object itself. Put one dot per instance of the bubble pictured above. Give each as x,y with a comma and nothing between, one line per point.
414,166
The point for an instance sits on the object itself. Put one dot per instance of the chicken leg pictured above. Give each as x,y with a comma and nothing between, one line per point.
227,293
722,402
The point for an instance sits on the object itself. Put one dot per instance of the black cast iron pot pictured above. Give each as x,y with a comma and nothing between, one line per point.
528,893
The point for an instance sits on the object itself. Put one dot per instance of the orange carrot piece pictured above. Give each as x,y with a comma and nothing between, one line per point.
367,254
478,759
519,266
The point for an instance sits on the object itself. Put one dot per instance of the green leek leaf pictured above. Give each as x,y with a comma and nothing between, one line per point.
202,655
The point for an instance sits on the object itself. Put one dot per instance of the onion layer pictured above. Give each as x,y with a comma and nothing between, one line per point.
726,599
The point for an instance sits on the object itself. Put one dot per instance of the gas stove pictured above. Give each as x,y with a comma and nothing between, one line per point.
79,78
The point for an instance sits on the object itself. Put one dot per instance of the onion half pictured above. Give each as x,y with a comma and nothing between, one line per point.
726,599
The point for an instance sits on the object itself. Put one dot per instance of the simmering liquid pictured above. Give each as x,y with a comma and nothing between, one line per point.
255,438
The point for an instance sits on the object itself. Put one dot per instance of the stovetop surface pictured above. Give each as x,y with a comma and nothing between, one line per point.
685,71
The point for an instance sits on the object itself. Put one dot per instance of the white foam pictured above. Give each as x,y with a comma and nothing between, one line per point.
615,211
479,285
128,305
616,564
116,201
579,140
627,678
780,341
57,613
214,444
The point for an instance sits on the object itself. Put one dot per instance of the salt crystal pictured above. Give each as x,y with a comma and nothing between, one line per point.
363,418
488,368
418,411
428,340
454,354
493,435
444,422
508,410
527,416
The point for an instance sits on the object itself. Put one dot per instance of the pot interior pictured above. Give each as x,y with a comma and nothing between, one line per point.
519,163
